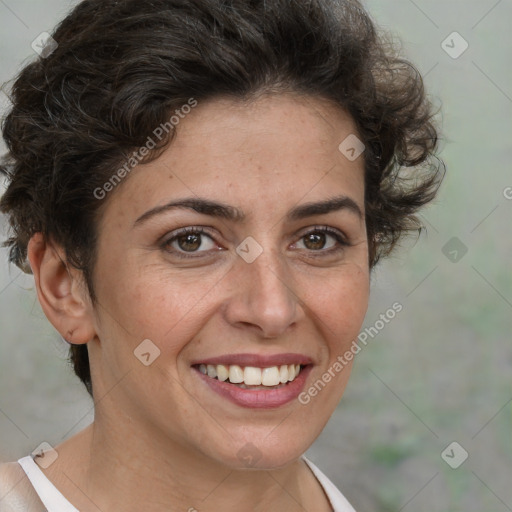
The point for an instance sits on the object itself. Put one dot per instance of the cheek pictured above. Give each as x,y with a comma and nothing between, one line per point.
163,307
354,294
340,304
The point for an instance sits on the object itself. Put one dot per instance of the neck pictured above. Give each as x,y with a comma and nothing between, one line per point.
98,469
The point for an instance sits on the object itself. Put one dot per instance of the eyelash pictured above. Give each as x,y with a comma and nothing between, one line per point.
201,231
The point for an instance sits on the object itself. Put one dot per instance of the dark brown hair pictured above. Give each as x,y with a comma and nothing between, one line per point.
122,66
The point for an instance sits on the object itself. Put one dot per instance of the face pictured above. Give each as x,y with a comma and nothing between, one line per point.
266,280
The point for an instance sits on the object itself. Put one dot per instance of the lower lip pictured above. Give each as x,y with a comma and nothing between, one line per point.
258,398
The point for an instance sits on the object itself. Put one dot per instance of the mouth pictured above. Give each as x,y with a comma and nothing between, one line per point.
252,377
255,386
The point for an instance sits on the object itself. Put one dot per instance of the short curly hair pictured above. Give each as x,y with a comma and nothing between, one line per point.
122,66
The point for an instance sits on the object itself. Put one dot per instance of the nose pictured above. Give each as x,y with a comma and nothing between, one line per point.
264,296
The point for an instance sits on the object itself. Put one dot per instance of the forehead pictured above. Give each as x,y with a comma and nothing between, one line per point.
250,154
310,127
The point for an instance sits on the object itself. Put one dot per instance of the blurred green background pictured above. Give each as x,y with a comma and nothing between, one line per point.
440,372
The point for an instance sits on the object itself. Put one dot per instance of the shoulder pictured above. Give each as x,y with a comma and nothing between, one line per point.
16,491
337,500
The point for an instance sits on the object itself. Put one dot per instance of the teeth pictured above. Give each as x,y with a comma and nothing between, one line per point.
250,375
270,376
236,374
283,373
222,372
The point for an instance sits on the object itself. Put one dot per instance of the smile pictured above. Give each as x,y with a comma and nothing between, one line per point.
251,377
252,386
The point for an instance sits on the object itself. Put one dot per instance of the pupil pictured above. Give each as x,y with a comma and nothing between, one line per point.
318,240
192,239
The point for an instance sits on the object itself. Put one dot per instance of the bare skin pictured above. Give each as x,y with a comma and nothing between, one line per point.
161,438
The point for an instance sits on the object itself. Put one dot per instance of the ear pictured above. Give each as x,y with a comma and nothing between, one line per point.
61,291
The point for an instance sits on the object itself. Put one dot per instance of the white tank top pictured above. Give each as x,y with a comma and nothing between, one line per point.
54,501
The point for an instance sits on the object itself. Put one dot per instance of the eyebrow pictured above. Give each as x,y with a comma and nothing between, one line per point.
231,213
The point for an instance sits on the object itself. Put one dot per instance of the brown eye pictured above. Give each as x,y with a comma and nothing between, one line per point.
189,240
315,241
323,240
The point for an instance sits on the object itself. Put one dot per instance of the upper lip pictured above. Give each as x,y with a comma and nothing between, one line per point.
257,360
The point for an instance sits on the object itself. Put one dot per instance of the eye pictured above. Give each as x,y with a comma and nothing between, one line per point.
194,240
317,240
189,240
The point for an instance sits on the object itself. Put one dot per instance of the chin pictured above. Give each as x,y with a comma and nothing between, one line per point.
262,453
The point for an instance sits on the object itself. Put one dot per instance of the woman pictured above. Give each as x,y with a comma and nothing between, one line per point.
201,190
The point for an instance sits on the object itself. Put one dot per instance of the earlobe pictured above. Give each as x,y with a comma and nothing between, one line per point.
59,289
